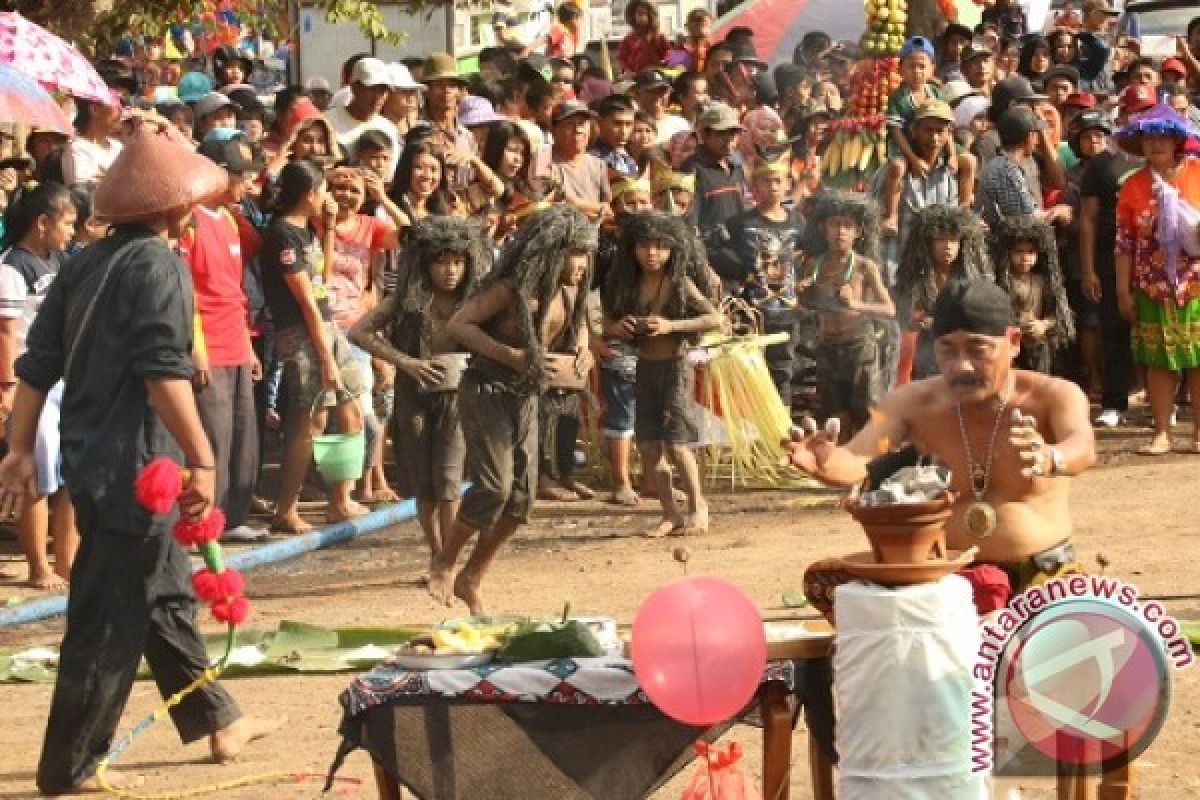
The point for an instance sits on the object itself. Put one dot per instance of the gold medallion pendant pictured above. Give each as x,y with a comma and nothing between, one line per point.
980,519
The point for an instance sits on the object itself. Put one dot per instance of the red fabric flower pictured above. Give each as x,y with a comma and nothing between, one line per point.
159,485
215,587
232,611
990,586
209,529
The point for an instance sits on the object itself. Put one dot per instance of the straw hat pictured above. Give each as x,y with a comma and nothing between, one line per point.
441,67
157,173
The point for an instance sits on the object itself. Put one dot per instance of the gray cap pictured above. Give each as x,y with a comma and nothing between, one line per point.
719,117
211,103
1018,122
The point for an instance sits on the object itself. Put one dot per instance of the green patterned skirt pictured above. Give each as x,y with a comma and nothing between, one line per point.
1166,335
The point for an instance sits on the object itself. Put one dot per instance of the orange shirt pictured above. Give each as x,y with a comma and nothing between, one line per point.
1137,220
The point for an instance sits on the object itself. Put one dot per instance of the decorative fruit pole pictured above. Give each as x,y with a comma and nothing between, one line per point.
858,142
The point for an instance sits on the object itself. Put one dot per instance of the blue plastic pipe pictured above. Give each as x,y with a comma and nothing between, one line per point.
258,557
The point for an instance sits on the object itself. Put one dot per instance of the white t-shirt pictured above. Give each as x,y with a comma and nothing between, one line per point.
670,125
348,129
19,299
84,160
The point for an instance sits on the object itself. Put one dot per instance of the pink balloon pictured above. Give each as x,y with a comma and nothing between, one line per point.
699,649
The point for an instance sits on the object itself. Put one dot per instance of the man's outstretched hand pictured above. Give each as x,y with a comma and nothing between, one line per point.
809,448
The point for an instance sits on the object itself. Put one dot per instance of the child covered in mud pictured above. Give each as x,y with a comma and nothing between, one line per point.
442,261
649,300
843,282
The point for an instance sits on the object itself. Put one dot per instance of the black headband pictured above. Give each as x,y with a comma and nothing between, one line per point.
976,306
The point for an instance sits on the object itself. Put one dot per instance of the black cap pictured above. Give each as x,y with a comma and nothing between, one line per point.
788,75
764,89
975,306
232,154
1062,71
650,79
745,53
568,109
1011,90
957,29
1017,123
1092,121
612,103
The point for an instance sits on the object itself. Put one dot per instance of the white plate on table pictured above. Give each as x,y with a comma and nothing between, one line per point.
441,661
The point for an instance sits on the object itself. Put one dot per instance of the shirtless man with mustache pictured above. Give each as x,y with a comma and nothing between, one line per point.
1010,438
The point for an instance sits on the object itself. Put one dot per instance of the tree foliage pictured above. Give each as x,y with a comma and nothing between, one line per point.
95,24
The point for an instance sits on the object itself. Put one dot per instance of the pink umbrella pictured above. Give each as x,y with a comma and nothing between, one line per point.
24,101
52,62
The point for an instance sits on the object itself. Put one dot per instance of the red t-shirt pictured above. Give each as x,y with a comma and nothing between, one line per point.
351,274
636,52
212,249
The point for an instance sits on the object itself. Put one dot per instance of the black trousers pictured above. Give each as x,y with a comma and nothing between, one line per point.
1117,353
230,419
130,596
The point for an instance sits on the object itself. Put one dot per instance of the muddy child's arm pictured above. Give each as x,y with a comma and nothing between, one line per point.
466,326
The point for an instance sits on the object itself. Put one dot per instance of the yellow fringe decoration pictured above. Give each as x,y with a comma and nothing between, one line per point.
736,387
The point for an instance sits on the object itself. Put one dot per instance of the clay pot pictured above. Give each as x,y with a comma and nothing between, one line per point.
906,533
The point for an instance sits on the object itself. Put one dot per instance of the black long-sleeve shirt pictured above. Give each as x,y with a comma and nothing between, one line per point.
140,328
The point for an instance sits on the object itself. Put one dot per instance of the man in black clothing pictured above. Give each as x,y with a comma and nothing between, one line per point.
116,326
1102,178
719,178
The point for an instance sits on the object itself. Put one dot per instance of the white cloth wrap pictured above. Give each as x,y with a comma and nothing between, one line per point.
902,680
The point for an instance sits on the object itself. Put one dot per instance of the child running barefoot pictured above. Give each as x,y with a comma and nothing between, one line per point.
1026,257
442,259
534,297
650,300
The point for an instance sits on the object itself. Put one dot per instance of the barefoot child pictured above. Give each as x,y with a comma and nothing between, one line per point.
945,243
1026,257
534,299
842,247
650,300
443,258
618,359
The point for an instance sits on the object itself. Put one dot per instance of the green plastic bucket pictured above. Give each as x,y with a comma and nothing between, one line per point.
339,456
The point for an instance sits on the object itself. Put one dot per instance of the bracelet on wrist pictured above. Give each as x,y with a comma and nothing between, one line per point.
204,467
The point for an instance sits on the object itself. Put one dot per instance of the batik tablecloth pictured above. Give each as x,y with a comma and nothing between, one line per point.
568,729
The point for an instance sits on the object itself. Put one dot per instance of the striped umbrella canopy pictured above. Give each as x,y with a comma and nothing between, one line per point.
779,25
49,60
23,101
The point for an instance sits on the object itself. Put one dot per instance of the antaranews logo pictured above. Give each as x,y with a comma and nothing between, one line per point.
1075,671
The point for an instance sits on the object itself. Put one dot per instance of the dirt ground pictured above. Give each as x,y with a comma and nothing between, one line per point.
1139,513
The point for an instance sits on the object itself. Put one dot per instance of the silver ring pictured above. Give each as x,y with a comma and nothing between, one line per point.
1035,445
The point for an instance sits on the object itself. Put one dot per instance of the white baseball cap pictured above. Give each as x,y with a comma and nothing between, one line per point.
371,72
401,78
317,84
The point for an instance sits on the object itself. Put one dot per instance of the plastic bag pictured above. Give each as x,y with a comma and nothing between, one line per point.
719,775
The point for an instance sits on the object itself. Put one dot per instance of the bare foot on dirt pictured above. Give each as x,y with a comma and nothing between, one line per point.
49,580
290,524
555,493
625,496
117,779
339,513
440,581
229,742
1160,445
665,527
467,590
697,521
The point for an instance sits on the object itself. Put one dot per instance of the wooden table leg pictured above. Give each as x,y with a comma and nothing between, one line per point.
386,785
820,769
776,711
